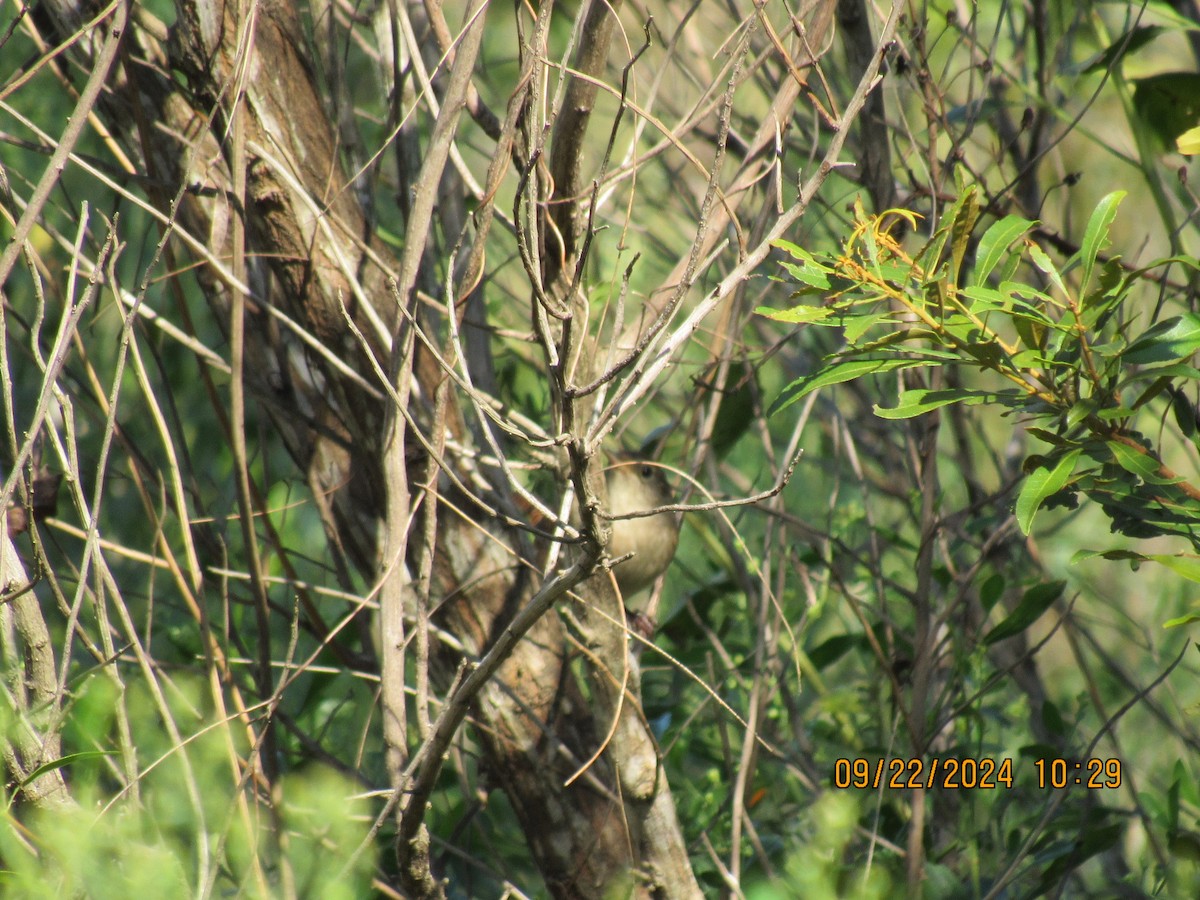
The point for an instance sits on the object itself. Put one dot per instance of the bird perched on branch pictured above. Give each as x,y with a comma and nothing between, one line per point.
637,485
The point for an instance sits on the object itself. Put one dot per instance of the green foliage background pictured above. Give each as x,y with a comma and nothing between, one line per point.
994,388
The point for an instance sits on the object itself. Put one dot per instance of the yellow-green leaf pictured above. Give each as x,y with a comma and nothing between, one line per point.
1188,143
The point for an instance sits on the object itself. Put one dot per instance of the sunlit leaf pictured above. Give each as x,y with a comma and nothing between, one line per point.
813,277
797,314
1186,566
1096,235
840,372
1188,143
964,224
1140,464
930,255
857,326
918,401
1170,340
1041,484
1043,262
995,243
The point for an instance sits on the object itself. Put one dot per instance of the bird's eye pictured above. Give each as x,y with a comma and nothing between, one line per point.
647,472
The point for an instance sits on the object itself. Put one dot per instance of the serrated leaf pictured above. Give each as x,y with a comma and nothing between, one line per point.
1041,484
995,242
839,372
1033,603
1096,235
1170,340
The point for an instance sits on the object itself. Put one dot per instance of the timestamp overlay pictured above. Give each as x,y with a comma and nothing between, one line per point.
974,773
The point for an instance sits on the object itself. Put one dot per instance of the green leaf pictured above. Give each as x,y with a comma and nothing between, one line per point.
793,250
1100,302
1043,262
1168,104
815,278
1142,465
1041,484
1152,390
1080,410
1170,340
835,648
1126,44
1183,410
1120,554
61,763
964,224
1055,440
990,591
1096,235
994,244
857,326
736,410
1033,603
920,400
797,314
1186,566
839,372
930,254
1188,143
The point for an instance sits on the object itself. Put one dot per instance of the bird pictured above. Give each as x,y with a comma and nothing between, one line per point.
635,484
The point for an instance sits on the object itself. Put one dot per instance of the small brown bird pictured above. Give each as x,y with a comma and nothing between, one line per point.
635,485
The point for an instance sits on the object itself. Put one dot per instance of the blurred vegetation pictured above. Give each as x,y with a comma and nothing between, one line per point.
988,551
